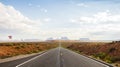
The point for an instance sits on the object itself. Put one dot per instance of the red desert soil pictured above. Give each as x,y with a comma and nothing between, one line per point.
13,49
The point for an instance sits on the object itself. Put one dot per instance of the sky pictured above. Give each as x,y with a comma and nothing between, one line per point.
42,19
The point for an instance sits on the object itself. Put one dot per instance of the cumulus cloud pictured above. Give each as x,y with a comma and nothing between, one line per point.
101,25
99,18
12,20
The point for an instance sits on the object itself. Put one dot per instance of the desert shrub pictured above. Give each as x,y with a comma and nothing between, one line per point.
108,51
17,47
8,44
29,52
2,57
35,51
117,58
100,55
109,59
111,49
22,45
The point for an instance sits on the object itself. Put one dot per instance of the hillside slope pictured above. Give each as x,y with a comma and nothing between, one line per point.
109,52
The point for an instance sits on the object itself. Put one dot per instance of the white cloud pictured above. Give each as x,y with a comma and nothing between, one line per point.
72,33
12,20
103,25
99,18
82,5
73,20
47,19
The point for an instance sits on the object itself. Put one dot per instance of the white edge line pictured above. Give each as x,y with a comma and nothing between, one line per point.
92,59
30,60
96,61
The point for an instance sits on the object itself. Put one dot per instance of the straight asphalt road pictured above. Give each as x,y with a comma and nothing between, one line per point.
60,57
18,61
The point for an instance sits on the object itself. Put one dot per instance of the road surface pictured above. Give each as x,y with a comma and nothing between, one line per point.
60,57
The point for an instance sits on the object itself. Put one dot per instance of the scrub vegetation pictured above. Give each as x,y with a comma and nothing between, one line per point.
19,48
106,51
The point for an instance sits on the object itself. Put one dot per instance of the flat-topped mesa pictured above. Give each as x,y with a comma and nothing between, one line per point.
115,41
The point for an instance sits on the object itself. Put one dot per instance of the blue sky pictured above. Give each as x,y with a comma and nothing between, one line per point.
41,19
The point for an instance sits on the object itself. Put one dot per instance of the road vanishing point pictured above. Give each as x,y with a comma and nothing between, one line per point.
57,57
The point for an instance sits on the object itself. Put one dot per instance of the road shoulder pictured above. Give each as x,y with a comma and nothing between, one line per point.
17,57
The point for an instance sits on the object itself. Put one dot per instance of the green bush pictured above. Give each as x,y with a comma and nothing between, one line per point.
109,59
22,45
100,55
106,58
